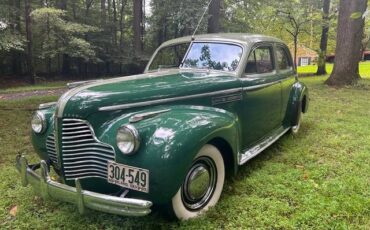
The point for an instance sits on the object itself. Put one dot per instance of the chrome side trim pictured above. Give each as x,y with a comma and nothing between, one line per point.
255,150
79,83
83,199
142,116
256,87
167,100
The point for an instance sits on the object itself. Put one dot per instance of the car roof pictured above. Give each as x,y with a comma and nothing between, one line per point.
229,37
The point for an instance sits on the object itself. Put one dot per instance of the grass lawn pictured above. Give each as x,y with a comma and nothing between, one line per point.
41,86
311,69
317,180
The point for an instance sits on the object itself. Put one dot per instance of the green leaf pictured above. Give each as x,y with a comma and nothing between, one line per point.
356,15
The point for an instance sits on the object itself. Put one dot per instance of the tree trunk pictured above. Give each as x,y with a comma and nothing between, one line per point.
103,14
121,25
114,29
18,15
137,26
349,36
16,55
214,17
295,50
28,22
62,4
321,70
74,10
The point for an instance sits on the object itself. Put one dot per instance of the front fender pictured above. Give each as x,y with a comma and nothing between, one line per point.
39,140
170,141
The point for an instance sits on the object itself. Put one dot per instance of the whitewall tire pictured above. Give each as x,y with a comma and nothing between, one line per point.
202,186
295,128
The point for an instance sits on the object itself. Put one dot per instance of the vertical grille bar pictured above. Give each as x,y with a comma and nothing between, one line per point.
50,148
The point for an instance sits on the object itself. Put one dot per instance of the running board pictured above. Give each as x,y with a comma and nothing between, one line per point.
255,150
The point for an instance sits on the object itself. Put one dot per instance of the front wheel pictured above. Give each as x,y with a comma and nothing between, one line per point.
202,186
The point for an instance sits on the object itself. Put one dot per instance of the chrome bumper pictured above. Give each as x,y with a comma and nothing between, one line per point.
47,188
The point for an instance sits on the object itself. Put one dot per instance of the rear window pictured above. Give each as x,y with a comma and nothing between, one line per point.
260,61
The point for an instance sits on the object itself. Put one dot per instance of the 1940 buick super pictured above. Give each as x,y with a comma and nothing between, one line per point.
204,106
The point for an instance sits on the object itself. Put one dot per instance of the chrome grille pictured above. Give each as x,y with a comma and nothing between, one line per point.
83,155
50,148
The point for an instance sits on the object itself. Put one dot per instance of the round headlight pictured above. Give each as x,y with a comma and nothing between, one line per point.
128,140
38,122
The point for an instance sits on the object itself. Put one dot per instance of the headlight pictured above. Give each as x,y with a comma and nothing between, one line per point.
128,139
38,123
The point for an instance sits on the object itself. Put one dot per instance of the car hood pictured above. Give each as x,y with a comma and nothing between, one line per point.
86,99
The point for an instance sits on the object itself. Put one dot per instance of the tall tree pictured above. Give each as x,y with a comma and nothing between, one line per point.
103,14
214,16
348,51
321,70
16,55
62,4
137,26
30,64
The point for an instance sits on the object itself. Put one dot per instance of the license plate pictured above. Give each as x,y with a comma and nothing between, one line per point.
128,177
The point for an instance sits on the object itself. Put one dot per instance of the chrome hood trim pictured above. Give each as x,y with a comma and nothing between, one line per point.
63,100
167,100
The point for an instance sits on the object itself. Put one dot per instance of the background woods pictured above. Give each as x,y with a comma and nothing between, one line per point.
93,38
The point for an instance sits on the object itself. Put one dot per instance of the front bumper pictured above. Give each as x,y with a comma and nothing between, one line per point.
48,188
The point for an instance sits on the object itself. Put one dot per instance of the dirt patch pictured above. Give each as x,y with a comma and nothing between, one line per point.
22,95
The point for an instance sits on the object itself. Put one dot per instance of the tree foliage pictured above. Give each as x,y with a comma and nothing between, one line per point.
107,37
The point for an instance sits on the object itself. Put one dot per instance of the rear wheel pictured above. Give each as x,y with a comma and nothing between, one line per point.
202,186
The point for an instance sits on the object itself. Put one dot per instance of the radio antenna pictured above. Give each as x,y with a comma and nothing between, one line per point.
201,19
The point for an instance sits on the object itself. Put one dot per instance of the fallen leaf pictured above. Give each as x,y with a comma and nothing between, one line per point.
299,166
305,176
13,210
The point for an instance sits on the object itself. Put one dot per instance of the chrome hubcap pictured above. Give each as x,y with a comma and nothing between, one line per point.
200,183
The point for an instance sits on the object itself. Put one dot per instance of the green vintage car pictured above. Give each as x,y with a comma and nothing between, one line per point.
204,106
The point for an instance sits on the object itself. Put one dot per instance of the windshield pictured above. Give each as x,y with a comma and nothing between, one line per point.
216,56
169,57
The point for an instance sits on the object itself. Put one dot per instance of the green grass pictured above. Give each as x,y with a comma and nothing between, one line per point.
40,86
311,69
318,179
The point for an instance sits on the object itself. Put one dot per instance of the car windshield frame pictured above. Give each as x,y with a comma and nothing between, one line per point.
149,69
214,42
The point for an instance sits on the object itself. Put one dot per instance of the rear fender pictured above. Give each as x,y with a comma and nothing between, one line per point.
299,100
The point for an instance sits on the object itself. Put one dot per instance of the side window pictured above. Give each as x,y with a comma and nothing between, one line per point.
282,59
260,61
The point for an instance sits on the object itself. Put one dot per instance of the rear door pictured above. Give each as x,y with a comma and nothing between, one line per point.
285,70
261,95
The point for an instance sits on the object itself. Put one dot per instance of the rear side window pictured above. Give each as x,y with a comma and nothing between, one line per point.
260,61
282,59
